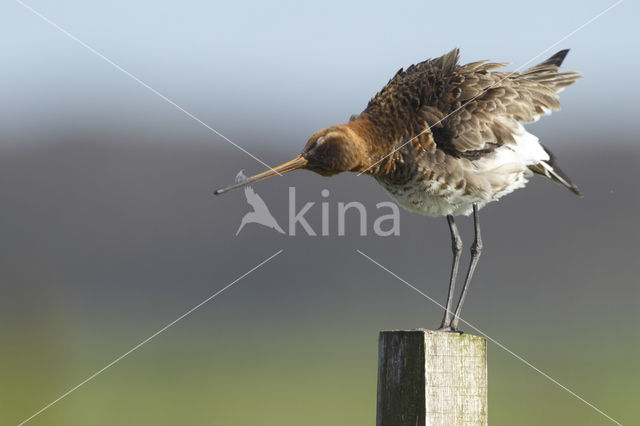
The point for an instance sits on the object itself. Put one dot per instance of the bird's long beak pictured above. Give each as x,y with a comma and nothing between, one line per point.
287,167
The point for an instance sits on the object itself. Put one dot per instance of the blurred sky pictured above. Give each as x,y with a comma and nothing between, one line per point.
303,65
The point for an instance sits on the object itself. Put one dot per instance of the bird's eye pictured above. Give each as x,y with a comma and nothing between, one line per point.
320,140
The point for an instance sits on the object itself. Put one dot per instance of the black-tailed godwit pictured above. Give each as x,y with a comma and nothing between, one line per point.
445,139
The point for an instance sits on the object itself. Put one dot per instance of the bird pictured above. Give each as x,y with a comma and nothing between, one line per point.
444,139
260,213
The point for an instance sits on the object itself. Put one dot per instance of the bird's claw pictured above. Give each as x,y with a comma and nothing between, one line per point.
449,329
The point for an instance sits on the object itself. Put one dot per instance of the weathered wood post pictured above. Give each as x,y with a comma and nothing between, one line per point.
431,378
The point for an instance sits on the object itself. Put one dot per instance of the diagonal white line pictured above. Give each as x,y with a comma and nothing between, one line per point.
118,67
500,345
494,84
149,338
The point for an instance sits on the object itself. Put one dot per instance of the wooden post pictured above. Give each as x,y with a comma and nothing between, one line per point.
431,378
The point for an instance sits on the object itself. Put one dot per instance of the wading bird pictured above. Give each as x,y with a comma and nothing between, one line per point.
445,139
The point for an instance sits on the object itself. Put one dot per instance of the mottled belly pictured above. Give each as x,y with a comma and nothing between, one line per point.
443,185
441,198
431,198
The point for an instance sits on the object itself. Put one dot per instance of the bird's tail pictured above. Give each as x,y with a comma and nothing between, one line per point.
550,169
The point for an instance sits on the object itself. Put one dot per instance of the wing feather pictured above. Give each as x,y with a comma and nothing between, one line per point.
468,108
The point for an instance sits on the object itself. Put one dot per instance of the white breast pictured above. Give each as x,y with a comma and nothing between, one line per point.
486,179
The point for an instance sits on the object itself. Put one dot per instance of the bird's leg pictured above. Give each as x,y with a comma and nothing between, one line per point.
456,246
476,250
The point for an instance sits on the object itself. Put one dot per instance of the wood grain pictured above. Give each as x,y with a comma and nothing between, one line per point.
431,378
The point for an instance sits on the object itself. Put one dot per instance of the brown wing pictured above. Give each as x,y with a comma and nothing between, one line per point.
470,109
491,104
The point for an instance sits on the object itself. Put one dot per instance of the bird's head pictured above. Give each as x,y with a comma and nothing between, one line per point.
328,152
333,150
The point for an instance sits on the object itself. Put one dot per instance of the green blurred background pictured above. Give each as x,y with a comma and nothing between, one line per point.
108,230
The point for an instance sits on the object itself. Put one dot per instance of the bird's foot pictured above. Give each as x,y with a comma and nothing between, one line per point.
449,329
